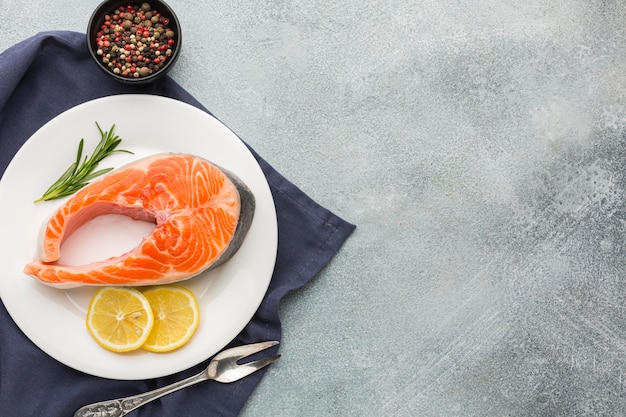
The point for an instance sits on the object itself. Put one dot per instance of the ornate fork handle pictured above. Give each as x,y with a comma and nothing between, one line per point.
122,406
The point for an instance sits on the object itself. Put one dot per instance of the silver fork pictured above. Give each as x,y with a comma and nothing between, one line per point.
223,368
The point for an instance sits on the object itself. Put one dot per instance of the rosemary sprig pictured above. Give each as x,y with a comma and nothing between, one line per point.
80,173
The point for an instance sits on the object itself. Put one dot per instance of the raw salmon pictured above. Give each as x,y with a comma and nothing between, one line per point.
201,214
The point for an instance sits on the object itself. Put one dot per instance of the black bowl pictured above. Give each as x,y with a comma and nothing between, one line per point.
154,72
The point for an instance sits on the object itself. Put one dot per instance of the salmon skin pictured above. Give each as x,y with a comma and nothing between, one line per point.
201,213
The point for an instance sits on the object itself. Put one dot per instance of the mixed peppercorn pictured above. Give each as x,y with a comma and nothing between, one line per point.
135,41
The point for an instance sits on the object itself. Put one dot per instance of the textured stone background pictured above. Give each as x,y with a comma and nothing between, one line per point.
479,147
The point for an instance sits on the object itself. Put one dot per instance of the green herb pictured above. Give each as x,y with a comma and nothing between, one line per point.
80,173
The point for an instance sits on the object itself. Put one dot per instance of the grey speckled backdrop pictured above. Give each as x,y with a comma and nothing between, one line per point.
479,147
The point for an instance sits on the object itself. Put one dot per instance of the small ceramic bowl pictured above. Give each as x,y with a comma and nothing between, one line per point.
137,59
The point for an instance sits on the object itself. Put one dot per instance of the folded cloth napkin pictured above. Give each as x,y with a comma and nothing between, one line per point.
49,73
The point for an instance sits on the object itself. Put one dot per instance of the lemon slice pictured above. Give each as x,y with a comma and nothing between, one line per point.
176,317
119,318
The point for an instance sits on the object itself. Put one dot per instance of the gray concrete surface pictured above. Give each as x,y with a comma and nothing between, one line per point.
478,145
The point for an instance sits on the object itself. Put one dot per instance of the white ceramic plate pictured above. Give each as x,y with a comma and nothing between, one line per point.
54,319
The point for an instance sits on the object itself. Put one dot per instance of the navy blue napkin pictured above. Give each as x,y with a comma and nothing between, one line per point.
49,73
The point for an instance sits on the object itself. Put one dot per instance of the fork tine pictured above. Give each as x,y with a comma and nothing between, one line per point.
241,352
225,367
240,371
261,363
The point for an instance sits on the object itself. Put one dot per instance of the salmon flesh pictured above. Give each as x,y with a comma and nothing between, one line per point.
201,213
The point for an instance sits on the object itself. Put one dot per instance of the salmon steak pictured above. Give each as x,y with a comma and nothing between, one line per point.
201,215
